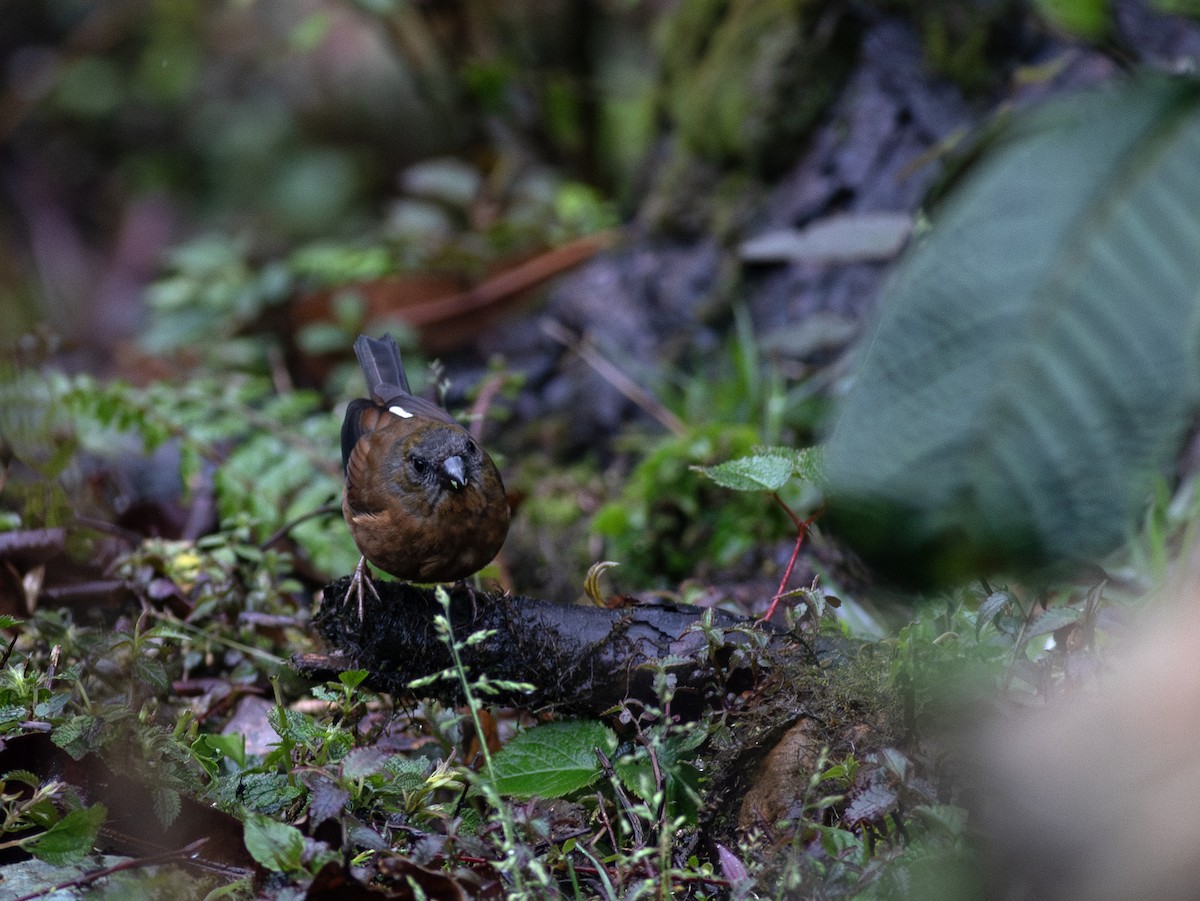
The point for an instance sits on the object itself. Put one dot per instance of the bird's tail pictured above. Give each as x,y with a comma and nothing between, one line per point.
381,363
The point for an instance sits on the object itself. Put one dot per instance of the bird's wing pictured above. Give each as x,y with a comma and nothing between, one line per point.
401,403
357,482
354,426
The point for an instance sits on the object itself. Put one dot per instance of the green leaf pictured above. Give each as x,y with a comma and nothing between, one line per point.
1034,363
151,671
52,707
268,792
213,747
768,469
680,776
70,839
26,776
167,805
78,735
293,725
552,760
409,773
277,846
755,473
1088,18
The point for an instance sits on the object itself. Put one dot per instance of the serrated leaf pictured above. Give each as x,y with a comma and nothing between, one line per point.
277,846
872,803
167,805
28,777
76,735
767,469
991,606
70,839
1035,361
151,671
267,792
754,473
552,760
361,762
409,773
293,725
327,801
806,462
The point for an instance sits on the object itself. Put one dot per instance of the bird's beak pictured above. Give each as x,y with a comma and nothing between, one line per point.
455,471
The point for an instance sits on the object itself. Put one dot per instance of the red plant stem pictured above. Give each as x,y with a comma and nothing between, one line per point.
801,530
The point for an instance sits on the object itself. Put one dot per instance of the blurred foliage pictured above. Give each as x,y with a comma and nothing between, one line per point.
316,147
950,456
743,81
216,288
1093,19
265,456
670,521
287,118
287,123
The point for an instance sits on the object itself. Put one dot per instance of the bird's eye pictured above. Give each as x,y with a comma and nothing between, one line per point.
420,465
471,448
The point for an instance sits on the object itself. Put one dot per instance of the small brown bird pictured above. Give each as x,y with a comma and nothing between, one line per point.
423,501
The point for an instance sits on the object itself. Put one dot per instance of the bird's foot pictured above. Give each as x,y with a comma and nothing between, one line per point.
360,582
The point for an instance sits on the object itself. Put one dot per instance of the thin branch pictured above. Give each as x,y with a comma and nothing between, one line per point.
626,805
326,510
614,376
483,402
88,878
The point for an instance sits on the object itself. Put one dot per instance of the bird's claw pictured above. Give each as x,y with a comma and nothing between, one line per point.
360,578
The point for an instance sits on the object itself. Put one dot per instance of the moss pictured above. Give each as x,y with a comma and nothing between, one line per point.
744,80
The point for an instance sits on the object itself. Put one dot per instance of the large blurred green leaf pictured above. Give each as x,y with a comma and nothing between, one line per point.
1035,358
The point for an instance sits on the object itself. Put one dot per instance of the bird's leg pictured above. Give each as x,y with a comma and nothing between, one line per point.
468,585
360,578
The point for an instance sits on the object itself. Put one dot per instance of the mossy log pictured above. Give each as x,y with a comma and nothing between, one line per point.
581,660
785,700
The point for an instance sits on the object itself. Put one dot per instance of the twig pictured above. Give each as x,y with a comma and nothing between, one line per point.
129,536
626,805
660,784
614,376
327,510
88,878
602,815
483,401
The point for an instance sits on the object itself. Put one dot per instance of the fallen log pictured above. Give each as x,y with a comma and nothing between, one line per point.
582,660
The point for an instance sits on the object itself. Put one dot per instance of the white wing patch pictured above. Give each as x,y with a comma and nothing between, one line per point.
400,411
